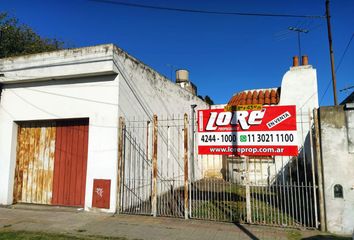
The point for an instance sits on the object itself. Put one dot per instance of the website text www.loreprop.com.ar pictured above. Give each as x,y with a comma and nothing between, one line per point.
244,150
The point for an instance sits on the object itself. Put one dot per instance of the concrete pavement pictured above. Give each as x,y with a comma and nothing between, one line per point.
64,220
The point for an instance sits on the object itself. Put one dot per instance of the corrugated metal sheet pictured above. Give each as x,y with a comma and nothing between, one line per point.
35,159
70,163
51,162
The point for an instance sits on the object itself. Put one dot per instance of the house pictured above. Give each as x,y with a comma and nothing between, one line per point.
59,122
298,87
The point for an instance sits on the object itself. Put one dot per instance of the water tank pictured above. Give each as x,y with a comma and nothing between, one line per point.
182,75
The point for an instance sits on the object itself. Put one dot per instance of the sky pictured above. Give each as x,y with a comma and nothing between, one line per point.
224,54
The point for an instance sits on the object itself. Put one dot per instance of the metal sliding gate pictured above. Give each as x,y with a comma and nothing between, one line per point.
159,175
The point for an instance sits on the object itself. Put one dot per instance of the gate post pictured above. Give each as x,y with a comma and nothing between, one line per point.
186,202
319,171
154,169
313,170
119,163
248,192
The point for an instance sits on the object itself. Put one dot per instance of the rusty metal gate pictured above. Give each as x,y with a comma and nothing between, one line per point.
51,162
163,175
152,167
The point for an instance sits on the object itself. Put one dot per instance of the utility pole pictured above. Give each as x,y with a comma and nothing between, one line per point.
299,30
334,81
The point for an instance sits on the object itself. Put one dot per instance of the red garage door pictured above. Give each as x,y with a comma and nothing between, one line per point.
70,163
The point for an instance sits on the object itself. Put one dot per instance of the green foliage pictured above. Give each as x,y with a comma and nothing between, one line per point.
19,39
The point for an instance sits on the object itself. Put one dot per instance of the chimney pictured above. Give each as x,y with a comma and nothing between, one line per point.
295,61
305,60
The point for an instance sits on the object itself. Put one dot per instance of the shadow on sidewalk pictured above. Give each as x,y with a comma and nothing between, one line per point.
246,231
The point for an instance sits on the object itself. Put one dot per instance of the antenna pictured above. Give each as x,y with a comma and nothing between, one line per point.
172,67
299,30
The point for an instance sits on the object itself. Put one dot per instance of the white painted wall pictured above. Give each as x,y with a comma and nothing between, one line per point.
143,93
338,168
210,166
94,98
299,87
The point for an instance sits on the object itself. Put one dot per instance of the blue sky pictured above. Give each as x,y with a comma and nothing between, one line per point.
224,54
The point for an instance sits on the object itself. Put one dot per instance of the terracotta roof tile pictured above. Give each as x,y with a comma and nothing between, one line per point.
259,96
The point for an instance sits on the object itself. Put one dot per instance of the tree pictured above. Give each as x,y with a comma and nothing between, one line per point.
19,39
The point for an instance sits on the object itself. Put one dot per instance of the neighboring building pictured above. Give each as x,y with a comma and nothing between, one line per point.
298,87
337,146
59,117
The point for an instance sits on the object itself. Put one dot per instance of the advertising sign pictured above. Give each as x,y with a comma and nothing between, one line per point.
249,130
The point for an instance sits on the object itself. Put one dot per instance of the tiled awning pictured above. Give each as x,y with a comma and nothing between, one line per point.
259,96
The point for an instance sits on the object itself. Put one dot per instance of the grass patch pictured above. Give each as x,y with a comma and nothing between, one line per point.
227,202
294,235
24,235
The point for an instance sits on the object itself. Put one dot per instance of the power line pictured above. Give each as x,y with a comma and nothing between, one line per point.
205,11
345,51
339,64
346,89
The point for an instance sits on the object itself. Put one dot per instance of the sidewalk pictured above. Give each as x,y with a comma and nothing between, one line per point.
62,220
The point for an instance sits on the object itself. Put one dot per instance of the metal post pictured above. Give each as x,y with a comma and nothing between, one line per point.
248,192
186,205
334,81
319,171
192,144
299,43
192,161
119,163
154,169
313,170
147,139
